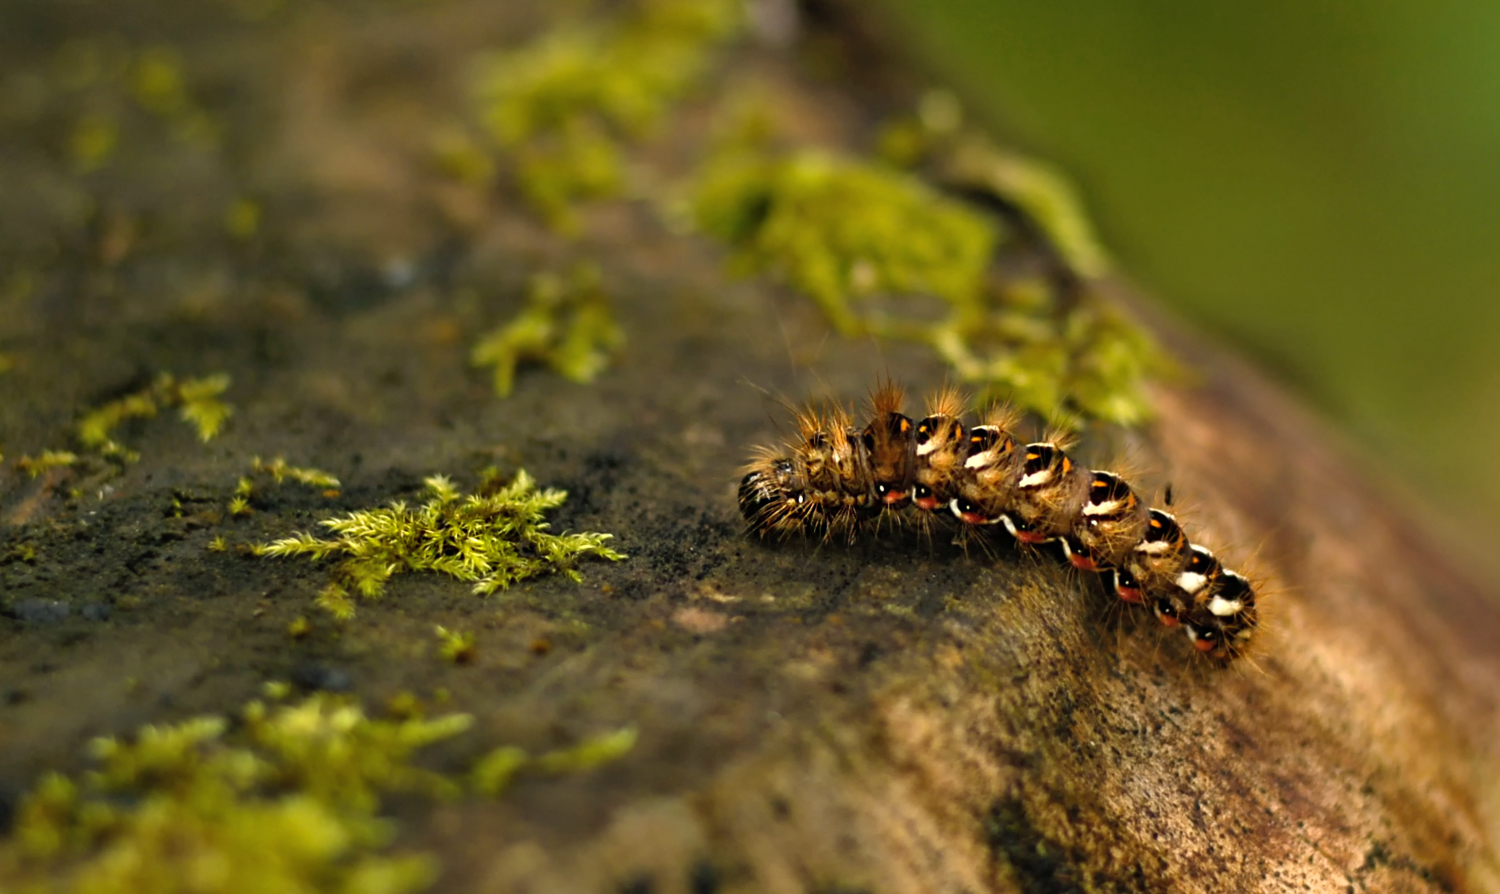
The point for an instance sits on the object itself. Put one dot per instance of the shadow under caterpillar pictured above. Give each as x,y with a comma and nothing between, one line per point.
835,480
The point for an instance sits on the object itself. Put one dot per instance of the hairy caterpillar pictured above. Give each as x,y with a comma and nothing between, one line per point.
835,480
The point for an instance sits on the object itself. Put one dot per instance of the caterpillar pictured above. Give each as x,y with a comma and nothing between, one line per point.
838,481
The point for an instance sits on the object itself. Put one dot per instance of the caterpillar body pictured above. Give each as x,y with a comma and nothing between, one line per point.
835,480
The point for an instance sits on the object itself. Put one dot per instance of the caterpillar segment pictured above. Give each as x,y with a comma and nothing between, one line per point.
836,480
1223,618
985,490
1112,521
941,448
890,441
1049,497
1153,564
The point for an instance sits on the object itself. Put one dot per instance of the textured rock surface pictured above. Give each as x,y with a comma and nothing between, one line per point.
895,716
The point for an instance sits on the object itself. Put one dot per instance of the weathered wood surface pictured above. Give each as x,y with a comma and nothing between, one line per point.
894,716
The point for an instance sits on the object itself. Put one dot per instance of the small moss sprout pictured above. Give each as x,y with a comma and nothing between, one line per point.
47,459
456,646
493,538
567,324
197,401
280,471
494,772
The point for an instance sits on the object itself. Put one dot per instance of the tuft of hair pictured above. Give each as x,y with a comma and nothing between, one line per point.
809,420
1002,416
948,401
887,397
1061,437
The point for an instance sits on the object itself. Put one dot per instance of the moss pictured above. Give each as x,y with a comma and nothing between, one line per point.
280,471
159,85
456,646
286,799
493,538
589,753
49,459
567,323
197,401
873,245
494,772
842,230
287,802
92,142
561,108
242,218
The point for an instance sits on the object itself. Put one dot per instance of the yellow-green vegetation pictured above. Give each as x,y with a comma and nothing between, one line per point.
493,537
495,770
566,324
242,218
288,801
92,142
279,471
843,231
49,459
562,107
965,158
456,646
197,402
873,246
159,86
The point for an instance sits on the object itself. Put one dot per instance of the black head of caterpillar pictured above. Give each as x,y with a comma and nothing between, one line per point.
773,495
941,446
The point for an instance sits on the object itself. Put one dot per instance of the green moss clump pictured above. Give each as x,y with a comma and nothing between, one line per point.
841,230
494,538
567,324
872,244
288,802
562,106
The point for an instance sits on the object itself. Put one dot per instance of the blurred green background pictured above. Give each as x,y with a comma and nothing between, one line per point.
1316,182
